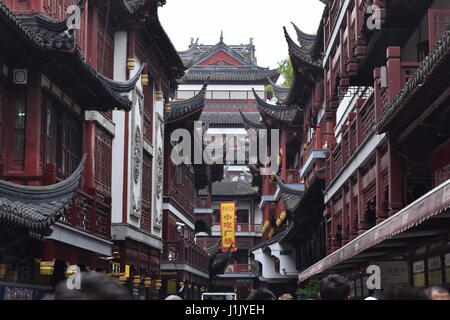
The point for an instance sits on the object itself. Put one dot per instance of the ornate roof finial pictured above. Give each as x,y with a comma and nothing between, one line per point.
221,36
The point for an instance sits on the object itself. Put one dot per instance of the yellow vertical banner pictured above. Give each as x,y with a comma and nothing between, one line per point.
227,225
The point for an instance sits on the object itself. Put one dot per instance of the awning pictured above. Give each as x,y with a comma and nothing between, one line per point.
431,204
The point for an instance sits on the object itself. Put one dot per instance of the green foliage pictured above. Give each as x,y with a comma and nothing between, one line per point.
309,291
269,89
286,70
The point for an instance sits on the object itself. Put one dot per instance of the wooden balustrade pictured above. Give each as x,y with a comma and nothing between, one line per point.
293,176
185,251
238,268
90,215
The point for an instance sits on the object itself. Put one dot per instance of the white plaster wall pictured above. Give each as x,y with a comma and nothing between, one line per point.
287,262
120,71
136,151
158,143
221,87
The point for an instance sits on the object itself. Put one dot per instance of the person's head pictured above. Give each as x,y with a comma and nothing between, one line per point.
93,286
334,287
286,296
262,294
173,297
437,293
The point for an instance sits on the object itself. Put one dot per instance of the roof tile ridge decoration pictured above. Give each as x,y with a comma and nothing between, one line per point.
282,113
440,51
292,197
232,188
256,125
112,87
38,207
222,46
182,108
306,40
299,52
278,238
123,87
281,93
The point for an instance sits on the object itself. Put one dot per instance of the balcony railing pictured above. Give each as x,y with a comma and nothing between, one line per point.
293,176
203,202
90,215
185,251
238,268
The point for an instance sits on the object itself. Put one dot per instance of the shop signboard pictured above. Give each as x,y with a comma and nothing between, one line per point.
393,273
434,271
419,273
227,225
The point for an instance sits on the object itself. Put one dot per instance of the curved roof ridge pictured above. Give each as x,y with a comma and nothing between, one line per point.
252,123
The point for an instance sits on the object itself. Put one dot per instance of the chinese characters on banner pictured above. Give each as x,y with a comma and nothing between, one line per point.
227,225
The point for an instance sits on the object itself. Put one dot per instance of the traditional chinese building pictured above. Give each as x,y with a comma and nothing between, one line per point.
233,74
385,184
61,90
185,265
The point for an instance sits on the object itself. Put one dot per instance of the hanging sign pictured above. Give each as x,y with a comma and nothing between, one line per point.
227,225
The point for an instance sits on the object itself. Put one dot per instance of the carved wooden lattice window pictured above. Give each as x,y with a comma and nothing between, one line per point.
105,53
439,20
148,112
146,193
103,162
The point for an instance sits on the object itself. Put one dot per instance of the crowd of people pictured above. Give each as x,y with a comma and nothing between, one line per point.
336,287
99,286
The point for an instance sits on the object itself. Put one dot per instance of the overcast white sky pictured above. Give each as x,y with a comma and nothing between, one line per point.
240,20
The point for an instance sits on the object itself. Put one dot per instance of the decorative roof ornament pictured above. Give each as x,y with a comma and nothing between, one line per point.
221,36
183,108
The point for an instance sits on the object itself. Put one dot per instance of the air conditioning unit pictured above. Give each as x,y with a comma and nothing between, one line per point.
20,76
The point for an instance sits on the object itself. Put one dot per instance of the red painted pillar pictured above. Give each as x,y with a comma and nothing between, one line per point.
381,215
345,218
89,148
48,250
377,91
396,199
362,227
353,212
394,70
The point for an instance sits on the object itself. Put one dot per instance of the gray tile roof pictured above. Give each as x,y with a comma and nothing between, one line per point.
48,34
232,188
182,108
37,207
228,117
277,112
291,196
